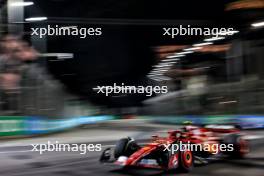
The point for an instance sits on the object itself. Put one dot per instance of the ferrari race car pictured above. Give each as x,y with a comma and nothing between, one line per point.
179,149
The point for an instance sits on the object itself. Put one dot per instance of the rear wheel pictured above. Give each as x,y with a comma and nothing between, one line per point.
240,145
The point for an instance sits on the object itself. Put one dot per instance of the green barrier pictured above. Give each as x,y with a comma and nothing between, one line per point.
12,125
22,125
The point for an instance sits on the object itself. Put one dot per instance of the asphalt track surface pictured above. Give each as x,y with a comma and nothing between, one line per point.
17,160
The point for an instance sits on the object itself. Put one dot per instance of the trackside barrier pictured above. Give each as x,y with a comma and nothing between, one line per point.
244,121
22,125
12,125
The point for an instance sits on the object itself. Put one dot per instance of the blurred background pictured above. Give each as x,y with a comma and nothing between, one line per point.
46,84
224,77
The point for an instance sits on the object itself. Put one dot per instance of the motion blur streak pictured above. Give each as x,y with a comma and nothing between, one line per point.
47,83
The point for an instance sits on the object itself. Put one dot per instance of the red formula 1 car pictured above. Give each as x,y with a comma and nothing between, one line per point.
180,149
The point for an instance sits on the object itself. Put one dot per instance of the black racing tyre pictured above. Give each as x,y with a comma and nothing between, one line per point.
240,145
186,160
125,147
120,148
105,156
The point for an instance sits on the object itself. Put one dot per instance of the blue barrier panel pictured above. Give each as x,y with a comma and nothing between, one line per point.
250,121
41,125
244,121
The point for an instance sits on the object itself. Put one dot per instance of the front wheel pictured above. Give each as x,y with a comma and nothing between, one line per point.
125,147
181,160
